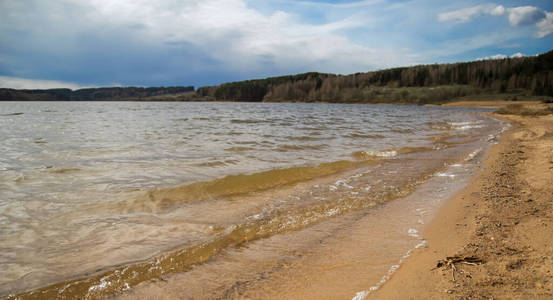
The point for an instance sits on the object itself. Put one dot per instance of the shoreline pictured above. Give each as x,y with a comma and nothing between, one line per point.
334,274
439,211
500,227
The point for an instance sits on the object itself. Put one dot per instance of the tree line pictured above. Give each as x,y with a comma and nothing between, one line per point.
532,74
91,94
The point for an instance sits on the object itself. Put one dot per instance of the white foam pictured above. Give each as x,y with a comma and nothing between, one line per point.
465,125
342,182
421,244
254,217
332,212
103,284
389,153
413,233
472,155
445,175
356,176
360,295
60,291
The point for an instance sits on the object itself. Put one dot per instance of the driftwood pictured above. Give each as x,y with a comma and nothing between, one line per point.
450,261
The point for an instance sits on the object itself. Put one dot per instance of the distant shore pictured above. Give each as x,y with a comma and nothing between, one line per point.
495,238
515,79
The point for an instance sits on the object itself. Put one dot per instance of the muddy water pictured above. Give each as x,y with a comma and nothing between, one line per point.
99,198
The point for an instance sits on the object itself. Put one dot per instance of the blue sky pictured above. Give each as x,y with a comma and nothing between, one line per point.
82,43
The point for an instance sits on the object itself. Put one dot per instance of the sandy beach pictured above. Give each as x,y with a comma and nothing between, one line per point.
494,239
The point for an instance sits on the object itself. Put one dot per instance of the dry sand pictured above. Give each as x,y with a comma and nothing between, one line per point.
504,218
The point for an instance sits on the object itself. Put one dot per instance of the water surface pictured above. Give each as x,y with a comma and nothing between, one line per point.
86,187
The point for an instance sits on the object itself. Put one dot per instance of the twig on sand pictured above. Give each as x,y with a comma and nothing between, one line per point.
450,262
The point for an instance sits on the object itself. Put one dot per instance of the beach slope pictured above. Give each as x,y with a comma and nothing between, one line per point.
495,238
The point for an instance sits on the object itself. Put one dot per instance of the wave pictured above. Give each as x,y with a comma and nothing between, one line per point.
39,141
305,138
118,279
454,125
284,148
239,149
364,136
247,121
64,170
402,131
294,215
233,185
388,153
217,163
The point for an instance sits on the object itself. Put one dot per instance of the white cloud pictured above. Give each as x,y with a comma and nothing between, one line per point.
498,56
355,4
525,15
502,56
545,26
22,83
466,14
198,42
143,42
243,38
518,16
498,11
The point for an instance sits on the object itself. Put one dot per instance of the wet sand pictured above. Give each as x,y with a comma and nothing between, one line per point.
503,220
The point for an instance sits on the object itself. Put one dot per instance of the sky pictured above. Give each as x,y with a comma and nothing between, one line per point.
92,43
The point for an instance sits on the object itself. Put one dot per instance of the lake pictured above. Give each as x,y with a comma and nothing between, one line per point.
98,197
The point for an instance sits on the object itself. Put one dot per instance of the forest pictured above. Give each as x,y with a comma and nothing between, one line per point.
530,76
93,94
506,79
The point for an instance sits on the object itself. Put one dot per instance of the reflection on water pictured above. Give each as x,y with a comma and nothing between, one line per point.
87,186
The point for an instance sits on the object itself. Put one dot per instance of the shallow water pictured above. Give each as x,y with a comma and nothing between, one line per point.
88,186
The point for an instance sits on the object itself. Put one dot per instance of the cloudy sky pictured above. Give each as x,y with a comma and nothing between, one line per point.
82,43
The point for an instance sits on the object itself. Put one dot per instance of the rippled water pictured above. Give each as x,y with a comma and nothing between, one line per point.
87,186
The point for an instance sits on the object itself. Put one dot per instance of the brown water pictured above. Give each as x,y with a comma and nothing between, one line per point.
225,199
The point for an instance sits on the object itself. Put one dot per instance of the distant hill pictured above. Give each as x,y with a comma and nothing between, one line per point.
98,94
528,76
259,89
508,78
